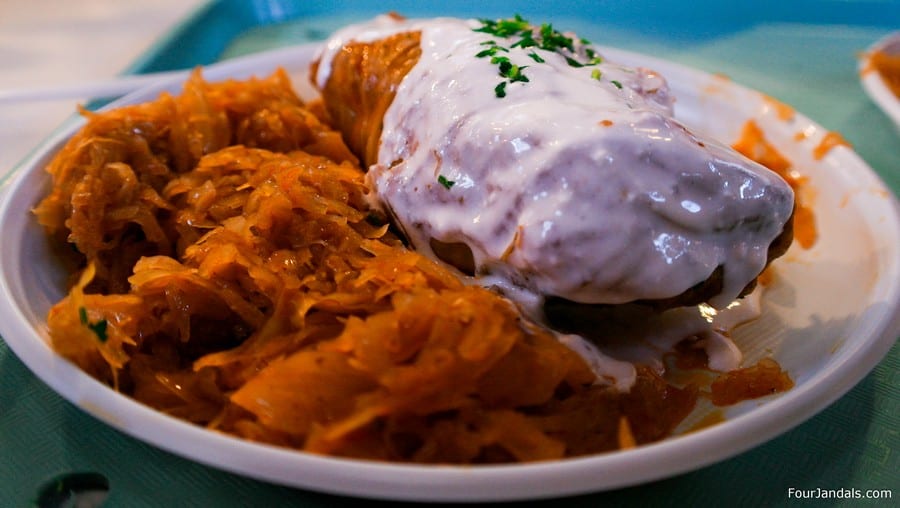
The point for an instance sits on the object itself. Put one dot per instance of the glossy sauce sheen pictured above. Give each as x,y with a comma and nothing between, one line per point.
569,185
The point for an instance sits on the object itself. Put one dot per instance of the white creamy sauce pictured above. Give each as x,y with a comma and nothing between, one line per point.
647,339
578,183
619,374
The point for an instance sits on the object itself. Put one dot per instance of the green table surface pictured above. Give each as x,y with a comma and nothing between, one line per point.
803,53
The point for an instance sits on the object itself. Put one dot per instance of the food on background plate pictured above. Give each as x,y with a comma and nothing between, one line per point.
230,270
888,66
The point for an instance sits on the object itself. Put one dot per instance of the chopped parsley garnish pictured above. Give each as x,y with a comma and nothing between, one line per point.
509,69
551,40
543,37
504,27
492,50
594,58
99,327
443,179
618,85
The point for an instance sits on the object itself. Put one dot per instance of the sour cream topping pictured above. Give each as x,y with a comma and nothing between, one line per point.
578,183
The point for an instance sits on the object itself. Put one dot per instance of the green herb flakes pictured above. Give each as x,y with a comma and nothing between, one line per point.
99,327
525,36
443,179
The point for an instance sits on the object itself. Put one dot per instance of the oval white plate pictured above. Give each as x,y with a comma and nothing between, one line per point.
827,343
874,84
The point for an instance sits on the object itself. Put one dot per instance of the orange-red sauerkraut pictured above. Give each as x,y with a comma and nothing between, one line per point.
230,273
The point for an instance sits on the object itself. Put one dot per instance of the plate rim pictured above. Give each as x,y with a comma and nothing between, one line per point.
371,479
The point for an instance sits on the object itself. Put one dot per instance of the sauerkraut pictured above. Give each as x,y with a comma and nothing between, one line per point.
229,272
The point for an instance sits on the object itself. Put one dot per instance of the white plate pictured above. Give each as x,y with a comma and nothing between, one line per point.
832,315
874,84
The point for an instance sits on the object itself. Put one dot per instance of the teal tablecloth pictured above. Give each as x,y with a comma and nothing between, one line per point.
802,53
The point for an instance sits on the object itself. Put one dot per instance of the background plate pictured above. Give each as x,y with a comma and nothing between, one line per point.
874,84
